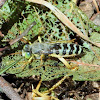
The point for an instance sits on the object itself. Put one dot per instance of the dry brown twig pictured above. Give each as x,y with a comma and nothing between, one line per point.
8,90
23,34
19,37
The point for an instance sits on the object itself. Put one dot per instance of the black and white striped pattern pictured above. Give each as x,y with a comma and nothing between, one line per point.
66,49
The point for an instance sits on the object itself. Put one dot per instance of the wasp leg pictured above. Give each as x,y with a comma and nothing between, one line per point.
35,92
68,41
73,66
39,38
56,85
41,96
69,55
75,1
72,5
30,59
27,40
71,9
64,61
42,56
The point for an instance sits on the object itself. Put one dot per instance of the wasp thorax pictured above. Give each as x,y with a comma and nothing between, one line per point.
39,48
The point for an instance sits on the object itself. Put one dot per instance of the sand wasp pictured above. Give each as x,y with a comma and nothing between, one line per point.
58,50
61,49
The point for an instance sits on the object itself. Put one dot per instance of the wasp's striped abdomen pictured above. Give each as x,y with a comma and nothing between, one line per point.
66,49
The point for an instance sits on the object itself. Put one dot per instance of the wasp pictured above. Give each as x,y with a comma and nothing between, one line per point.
58,50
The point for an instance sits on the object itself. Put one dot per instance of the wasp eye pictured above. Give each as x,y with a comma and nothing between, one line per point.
26,48
27,55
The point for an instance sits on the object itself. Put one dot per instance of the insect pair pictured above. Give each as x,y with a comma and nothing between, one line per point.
57,50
